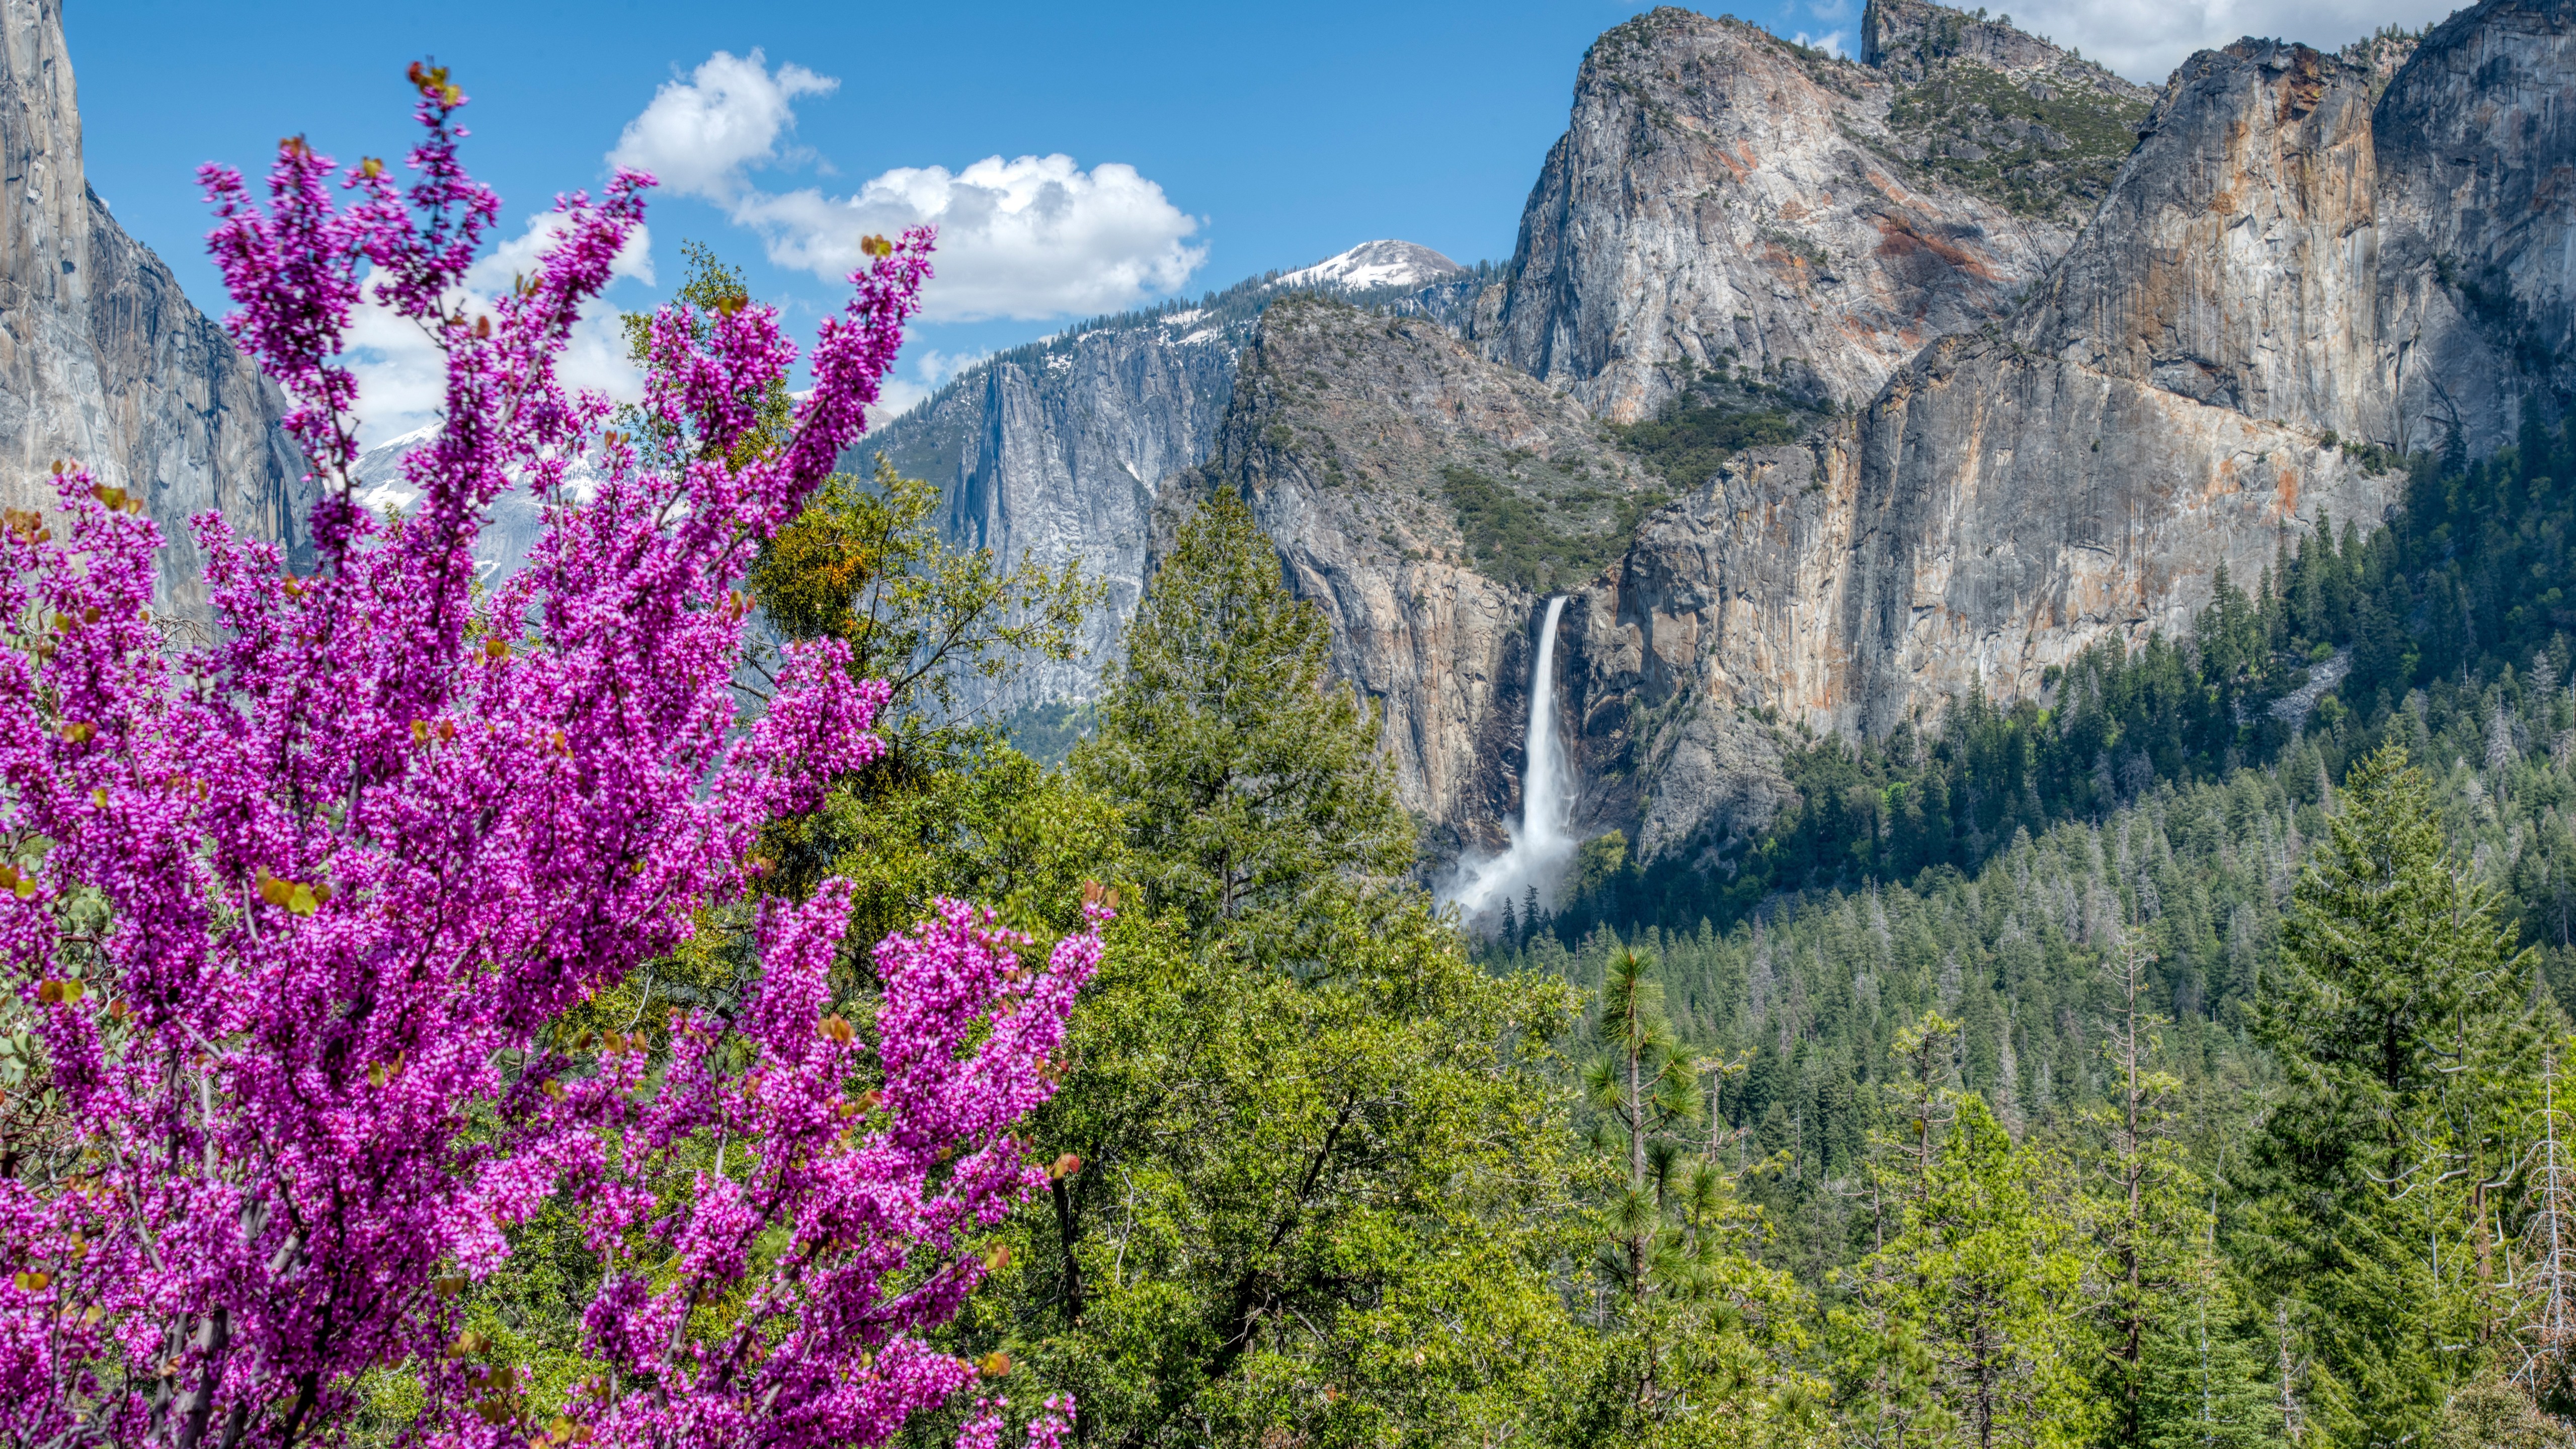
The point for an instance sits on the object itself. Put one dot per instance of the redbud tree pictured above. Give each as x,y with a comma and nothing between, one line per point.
292,909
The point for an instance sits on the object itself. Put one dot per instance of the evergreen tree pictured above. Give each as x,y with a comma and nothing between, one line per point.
1317,1202
2147,1221
2403,1021
1643,1089
1695,1348
2205,1380
1254,783
1970,1323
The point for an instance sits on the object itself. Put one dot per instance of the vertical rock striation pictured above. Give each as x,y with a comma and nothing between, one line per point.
2235,261
2079,351
1056,452
102,359
2476,136
2158,409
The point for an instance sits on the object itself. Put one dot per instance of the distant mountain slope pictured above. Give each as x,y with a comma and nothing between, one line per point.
105,362
1057,450
1371,266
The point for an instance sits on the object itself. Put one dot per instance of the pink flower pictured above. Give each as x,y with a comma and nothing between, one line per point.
308,897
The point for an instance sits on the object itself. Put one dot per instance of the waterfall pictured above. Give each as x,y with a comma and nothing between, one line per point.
1544,837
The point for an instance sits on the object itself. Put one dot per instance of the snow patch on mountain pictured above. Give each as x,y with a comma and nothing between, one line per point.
1372,265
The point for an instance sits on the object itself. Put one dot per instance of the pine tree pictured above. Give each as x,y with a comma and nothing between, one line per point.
2148,1221
1644,1089
2403,1021
1253,781
1684,1359
2206,1379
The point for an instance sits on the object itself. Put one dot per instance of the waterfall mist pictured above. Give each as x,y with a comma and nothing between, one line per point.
1544,838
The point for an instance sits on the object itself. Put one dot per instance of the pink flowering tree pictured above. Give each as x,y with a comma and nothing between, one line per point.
292,911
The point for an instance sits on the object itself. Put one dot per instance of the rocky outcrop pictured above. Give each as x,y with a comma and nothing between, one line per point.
2004,114
103,360
1427,500
2476,140
1912,41
1719,193
2235,262
2035,435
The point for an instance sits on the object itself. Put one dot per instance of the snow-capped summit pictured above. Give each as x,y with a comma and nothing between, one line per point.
1375,264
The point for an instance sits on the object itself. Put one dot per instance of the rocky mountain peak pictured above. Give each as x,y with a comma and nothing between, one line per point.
1723,195
2381,54
1999,112
1373,265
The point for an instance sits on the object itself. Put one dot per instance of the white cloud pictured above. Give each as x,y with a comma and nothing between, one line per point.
700,134
1831,42
1032,237
1035,236
2146,42
402,374
931,370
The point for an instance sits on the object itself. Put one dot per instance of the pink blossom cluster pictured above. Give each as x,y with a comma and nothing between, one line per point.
294,911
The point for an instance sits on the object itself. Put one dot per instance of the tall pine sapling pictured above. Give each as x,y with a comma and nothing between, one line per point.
2147,1223
294,910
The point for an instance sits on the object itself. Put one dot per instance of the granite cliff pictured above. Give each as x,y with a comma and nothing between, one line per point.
2225,358
1426,499
102,359
1056,451
2476,142
1722,193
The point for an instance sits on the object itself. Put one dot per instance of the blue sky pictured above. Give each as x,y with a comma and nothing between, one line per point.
1206,142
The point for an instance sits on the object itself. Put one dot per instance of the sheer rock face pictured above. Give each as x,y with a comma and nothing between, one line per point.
1390,463
1718,191
2476,137
2235,261
103,360
2053,437
1058,452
